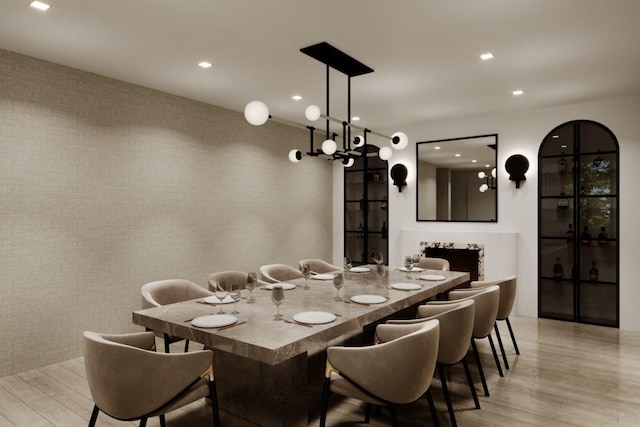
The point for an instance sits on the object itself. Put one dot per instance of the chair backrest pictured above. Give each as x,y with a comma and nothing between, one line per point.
319,266
128,380
398,371
163,292
275,273
507,293
235,278
434,264
486,307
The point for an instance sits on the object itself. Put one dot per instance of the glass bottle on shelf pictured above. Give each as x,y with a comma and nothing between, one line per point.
562,164
383,203
570,234
585,237
384,230
603,237
558,271
593,272
362,203
360,230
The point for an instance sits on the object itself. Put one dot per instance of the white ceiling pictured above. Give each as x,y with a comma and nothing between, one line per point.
425,53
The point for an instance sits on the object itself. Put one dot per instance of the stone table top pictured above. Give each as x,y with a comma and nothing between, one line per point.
273,341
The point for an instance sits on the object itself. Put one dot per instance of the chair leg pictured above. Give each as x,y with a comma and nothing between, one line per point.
325,401
186,346
513,337
394,417
367,413
163,421
166,343
213,395
504,355
479,365
143,422
447,397
432,408
471,385
94,416
495,355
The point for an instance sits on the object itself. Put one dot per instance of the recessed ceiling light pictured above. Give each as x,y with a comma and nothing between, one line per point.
205,64
487,166
296,97
518,92
436,148
555,136
458,155
474,161
563,146
486,56
355,119
39,5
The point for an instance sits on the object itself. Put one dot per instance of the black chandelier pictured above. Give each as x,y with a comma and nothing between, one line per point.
257,113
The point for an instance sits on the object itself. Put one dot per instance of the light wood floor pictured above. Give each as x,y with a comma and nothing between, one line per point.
567,375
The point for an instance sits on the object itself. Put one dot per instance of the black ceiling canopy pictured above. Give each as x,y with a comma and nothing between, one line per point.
337,59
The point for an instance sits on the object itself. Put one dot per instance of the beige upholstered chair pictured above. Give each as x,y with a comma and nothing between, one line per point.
507,298
319,266
434,264
397,372
486,308
129,381
456,328
163,292
275,273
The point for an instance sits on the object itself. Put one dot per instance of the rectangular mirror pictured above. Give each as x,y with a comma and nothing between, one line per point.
457,179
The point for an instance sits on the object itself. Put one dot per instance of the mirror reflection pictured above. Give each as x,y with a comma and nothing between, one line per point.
457,179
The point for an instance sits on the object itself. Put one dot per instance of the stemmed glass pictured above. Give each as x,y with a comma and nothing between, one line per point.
277,296
306,272
378,258
252,281
379,274
221,294
347,264
338,281
234,293
408,265
416,259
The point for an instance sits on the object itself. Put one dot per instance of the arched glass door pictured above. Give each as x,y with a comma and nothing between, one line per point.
578,224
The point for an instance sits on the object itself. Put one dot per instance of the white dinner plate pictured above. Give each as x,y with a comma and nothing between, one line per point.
214,321
215,300
406,286
285,286
432,277
414,269
314,317
324,276
368,299
360,270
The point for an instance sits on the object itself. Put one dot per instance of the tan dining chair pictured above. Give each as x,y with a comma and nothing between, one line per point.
456,328
319,266
395,372
434,264
164,292
274,273
486,309
129,381
507,298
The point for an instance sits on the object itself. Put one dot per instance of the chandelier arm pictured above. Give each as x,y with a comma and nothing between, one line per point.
351,125
328,101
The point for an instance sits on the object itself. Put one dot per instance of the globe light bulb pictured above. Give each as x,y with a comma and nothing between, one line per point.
329,147
312,113
493,172
481,175
399,140
358,141
349,163
256,113
295,156
385,153
483,188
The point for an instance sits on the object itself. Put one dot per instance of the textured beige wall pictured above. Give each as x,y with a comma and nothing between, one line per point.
106,185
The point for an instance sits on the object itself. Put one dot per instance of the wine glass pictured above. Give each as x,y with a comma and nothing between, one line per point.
347,264
408,265
380,274
252,281
234,293
221,294
306,272
416,259
277,296
338,281
378,258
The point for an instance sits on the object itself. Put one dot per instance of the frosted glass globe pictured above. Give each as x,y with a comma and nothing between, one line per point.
256,113
329,147
312,113
358,141
295,156
385,153
399,140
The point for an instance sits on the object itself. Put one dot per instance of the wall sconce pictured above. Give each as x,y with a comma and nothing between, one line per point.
517,165
399,175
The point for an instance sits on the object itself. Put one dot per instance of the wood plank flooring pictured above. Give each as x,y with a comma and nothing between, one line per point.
567,375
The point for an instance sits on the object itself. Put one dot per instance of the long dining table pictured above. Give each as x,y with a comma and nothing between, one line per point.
261,364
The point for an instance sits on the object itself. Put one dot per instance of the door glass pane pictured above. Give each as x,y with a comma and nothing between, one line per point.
594,137
598,303
556,299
